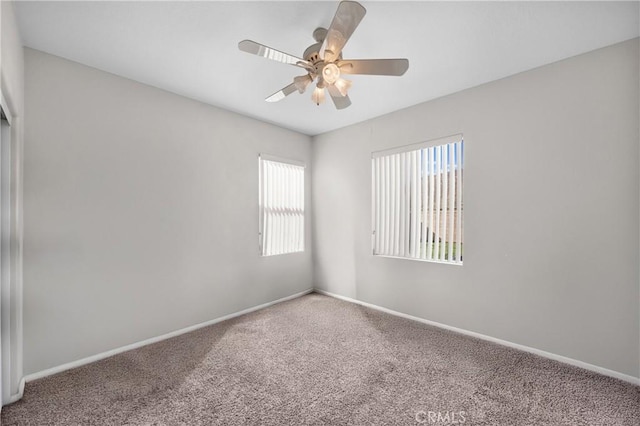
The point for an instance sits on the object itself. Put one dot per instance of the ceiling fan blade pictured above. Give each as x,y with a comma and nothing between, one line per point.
374,66
282,93
254,48
345,21
341,102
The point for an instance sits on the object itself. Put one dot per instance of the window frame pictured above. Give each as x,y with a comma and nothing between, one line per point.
459,137
289,161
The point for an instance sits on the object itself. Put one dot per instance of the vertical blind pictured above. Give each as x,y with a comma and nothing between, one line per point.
281,207
417,201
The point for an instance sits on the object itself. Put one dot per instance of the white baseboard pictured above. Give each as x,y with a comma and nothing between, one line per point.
17,396
103,355
555,357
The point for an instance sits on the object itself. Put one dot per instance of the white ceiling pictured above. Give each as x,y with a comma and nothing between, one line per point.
190,48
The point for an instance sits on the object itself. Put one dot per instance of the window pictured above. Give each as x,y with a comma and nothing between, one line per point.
281,206
417,201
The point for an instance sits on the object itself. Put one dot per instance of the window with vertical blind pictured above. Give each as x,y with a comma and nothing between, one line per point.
281,206
417,201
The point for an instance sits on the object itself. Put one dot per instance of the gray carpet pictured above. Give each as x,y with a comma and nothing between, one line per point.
315,361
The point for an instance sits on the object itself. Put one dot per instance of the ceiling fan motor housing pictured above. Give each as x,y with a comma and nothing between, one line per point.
312,55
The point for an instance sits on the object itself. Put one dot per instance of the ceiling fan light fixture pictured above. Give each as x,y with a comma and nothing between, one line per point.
343,85
301,82
330,73
318,95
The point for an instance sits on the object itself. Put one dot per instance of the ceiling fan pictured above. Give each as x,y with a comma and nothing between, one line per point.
323,60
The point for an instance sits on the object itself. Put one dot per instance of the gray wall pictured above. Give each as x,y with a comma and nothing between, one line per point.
141,212
551,210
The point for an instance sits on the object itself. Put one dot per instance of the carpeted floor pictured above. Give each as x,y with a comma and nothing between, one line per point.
317,361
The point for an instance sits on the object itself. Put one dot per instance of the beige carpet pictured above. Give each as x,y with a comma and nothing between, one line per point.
316,361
